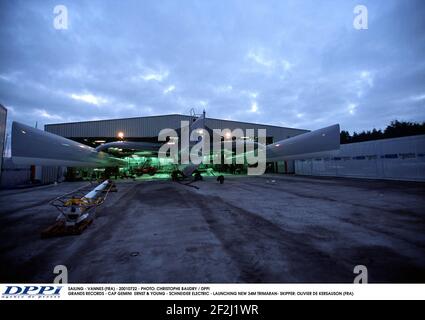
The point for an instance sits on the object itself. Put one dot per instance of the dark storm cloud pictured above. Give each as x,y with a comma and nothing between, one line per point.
291,63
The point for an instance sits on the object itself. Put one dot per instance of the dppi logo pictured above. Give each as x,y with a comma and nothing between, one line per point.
31,291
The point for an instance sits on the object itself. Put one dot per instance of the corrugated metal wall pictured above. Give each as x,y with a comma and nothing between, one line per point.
52,174
397,159
14,175
132,127
150,127
278,133
3,116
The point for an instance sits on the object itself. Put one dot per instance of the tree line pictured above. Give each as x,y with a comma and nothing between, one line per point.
394,130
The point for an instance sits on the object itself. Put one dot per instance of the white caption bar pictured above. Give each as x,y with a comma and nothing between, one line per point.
213,291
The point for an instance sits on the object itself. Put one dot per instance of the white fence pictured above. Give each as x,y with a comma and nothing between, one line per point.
397,159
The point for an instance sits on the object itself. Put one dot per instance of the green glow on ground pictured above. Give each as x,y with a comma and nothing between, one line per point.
166,176
157,176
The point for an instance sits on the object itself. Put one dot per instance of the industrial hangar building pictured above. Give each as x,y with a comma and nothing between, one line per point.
146,129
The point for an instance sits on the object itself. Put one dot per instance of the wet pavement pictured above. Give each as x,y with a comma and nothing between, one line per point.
270,229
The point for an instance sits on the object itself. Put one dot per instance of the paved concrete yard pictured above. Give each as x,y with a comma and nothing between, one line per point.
272,228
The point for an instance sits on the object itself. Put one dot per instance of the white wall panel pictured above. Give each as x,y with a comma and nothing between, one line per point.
398,159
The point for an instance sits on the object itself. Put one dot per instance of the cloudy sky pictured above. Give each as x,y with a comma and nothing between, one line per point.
296,63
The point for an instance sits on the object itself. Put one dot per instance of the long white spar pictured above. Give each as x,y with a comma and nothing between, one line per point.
31,146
